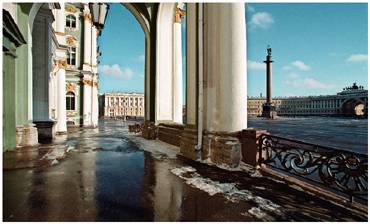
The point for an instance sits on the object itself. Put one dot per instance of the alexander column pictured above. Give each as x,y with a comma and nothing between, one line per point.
268,108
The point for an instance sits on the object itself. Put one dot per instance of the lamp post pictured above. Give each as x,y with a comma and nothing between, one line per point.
99,13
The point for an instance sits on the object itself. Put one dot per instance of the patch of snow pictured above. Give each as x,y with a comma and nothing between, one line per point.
257,212
259,188
54,162
229,190
181,170
156,147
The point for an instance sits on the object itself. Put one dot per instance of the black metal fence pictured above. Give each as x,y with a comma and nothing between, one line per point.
336,170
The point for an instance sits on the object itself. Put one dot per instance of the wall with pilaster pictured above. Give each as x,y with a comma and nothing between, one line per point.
21,79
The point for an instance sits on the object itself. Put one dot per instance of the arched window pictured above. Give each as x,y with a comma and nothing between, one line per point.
71,55
71,21
70,101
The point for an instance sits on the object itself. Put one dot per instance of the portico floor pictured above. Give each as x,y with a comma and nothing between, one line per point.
111,175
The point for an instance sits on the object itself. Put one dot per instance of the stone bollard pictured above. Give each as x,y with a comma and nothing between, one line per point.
222,149
249,139
189,139
149,130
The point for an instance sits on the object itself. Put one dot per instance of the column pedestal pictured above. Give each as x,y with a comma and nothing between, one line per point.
170,133
269,111
46,131
189,139
149,130
249,139
222,149
26,135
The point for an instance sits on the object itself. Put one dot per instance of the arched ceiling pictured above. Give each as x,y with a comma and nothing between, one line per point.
145,13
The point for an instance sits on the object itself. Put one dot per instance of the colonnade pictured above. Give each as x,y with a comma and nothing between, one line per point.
216,85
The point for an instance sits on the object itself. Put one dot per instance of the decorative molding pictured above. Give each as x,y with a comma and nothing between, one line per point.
90,83
87,16
71,41
179,14
62,63
71,9
71,113
59,33
70,87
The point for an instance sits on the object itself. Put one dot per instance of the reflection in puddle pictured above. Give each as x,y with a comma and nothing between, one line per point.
107,177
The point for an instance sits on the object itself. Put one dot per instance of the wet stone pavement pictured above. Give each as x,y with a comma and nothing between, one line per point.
111,175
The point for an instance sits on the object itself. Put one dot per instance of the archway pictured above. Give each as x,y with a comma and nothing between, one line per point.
40,67
353,108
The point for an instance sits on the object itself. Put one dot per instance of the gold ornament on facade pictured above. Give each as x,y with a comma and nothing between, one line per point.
70,40
71,9
62,64
87,16
87,82
71,113
70,87
179,14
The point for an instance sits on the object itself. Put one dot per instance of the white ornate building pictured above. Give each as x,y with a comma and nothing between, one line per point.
351,101
81,72
122,104
50,71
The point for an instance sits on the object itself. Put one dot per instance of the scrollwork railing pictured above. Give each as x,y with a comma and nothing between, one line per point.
336,170
135,128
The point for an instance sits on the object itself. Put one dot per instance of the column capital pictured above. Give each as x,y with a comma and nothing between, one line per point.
179,14
87,16
62,63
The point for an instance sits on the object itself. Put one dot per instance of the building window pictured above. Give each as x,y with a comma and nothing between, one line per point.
71,55
70,97
71,21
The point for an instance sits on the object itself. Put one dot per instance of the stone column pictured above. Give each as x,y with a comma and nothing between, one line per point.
189,137
60,20
177,74
268,63
94,49
87,39
86,108
225,67
42,78
61,127
225,87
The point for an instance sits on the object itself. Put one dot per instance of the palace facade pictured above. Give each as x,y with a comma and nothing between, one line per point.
122,104
351,101
49,71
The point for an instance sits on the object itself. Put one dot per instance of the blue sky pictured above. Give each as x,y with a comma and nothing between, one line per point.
317,48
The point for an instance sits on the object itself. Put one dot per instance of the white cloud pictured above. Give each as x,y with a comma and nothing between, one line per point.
357,58
250,9
141,57
262,20
293,79
254,65
300,65
116,71
310,83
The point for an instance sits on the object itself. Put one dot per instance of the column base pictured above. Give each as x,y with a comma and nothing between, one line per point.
170,133
188,143
26,135
61,133
249,139
149,130
223,149
269,111
46,131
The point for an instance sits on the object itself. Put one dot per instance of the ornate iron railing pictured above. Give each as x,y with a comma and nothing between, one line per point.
335,170
135,128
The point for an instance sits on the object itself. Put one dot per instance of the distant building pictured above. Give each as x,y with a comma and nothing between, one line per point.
81,70
351,101
121,105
